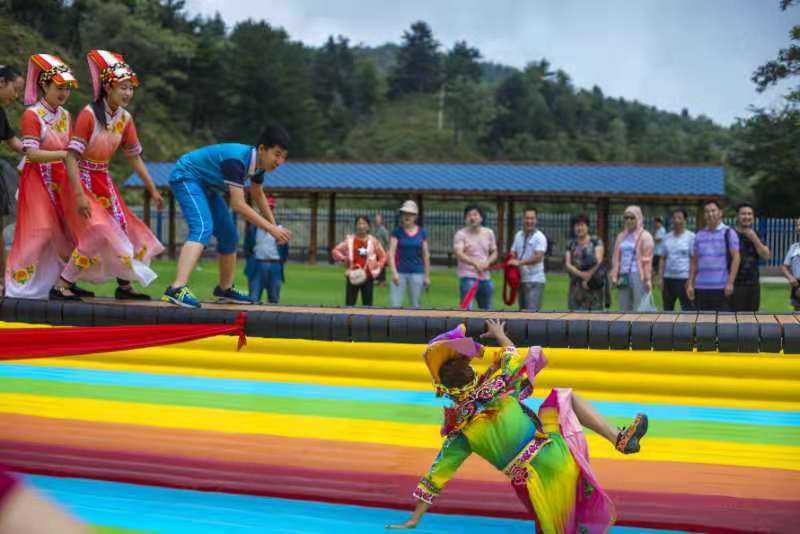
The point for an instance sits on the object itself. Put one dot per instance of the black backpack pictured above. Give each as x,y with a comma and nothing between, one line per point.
550,245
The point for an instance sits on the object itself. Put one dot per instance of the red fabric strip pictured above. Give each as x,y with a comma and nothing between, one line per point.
26,343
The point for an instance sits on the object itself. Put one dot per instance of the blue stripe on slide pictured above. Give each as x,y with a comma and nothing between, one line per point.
171,511
285,389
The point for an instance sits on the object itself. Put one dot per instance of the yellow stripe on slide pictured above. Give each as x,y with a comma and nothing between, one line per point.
595,384
381,432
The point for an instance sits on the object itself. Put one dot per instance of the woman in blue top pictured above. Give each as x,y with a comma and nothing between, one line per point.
409,258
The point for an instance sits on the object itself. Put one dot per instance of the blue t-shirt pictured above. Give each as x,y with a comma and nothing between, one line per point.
219,167
409,250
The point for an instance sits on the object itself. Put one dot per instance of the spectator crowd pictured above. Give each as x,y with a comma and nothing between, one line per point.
715,268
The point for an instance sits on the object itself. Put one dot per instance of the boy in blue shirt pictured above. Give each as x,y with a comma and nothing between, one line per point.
199,180
265,259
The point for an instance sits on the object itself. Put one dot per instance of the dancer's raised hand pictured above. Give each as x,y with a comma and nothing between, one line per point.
496,329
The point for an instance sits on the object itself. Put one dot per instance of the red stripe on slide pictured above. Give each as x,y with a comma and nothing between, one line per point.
643,509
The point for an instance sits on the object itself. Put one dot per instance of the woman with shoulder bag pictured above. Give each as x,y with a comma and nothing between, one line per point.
364,257
632,263
584,263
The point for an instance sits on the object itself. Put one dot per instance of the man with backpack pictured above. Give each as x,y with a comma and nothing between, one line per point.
714,263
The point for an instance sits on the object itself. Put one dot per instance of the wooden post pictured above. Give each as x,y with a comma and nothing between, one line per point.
172,245
512,230
331,226
146,208
602,224
421,206
700,218
312,231
501,219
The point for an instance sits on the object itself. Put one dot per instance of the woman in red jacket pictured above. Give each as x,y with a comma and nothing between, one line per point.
364,257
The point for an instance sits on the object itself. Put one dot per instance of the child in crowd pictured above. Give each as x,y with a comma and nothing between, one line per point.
265,259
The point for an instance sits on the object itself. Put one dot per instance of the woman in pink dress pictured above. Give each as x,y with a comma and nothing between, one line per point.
42,243
126,246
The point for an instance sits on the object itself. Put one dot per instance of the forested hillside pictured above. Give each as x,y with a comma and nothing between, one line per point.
414,99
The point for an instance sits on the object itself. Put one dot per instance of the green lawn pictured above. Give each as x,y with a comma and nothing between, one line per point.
324,284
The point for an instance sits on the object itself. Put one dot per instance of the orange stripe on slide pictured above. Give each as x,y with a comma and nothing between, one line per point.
665,477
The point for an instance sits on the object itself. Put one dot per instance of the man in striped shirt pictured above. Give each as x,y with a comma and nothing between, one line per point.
714,264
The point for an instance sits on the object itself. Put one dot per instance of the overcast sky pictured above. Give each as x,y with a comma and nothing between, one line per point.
672,54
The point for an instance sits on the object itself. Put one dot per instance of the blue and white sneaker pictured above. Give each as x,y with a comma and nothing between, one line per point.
231,296
182,296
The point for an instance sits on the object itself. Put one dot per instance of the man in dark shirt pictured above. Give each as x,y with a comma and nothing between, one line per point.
11,85
747,287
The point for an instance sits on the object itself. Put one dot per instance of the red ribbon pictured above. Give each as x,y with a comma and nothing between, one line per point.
26,343
511,282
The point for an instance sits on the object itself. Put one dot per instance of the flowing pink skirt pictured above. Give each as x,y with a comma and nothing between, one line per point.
112,243
42,242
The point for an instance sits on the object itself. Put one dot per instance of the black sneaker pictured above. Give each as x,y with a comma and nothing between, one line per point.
127,293
58,293
231,296
83,293
629,437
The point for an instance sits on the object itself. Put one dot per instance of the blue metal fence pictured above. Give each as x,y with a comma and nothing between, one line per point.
779,234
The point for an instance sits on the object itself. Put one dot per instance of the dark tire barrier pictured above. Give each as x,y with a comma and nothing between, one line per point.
723,332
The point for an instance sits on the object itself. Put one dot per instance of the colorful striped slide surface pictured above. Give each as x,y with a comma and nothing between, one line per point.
310,436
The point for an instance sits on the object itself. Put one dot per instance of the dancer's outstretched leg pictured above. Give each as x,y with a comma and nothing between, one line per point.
625,440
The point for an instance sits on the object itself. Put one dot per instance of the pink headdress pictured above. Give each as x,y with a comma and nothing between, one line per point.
445,347
43,68
108,67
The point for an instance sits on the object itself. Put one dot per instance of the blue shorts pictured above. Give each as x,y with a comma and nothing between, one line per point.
206,213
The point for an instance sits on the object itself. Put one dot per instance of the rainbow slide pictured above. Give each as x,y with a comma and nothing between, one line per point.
312,436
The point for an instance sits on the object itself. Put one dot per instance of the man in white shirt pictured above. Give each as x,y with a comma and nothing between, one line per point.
528,249
678,247
791,269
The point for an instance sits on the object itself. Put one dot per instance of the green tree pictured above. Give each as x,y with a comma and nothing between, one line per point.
786,65
368,87
766,143
766,151
419,65
206,68
334,75
462,62
271,81
469,107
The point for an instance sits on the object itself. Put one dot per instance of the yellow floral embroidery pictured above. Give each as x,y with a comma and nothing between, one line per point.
140,255
42,112
126,260
22,276
62,124
83,262
55,187
120,125
104,201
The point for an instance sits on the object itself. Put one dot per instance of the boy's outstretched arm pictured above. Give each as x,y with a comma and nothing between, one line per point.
257,192
240,206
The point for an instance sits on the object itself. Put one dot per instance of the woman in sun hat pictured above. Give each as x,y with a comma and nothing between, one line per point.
409,258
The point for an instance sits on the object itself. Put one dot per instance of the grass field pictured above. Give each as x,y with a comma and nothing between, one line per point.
324,284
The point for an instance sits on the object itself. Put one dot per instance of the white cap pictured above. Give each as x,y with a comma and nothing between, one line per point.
409,206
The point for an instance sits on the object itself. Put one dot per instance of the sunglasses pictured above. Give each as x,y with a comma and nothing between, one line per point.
631,217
